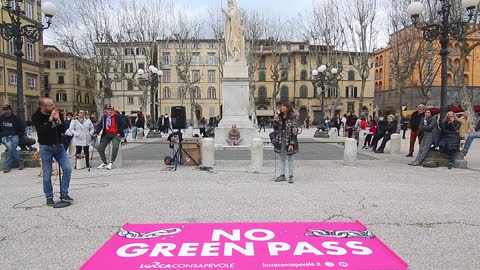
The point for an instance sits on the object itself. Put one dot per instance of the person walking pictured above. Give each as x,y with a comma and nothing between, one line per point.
285,124
111,126
11,129
261,124
429,127
389,130
414,124
450,138
82,130
49,126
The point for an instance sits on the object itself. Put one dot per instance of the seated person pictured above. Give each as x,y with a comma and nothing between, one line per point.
470,137
234,136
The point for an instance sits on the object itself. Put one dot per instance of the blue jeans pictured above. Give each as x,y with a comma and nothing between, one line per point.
11,142
29,130
134,133
283,157
470,139
126,131
443,144
47,154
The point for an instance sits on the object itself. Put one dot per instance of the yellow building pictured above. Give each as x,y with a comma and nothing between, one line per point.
67,81
32,62
424,84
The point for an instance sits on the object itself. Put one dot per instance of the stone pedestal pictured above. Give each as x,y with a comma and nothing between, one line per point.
256,153
350,153
27,157
235,89
140,134
321,134
396,144
208,152
154,134
333,133
441,158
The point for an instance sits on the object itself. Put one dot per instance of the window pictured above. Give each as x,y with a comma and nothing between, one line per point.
350,107
60,64
262,62
129,85
212,45
129,67
262,76
166,59
105,51
141,51
31,81
332,92
211,76
167,93
303,75
303,91
78,81
284,94
61,97
30,52
284,61
212,93
351,92
47,63
301,47
211,59
262,93
141,66
129,51
195,92
196,60
166,78
211,110
61,79
351,75
29,9
196,45
181,92
196,75
11,47
303,59
140,101
130,100
12,78
79,98
87,99
288,47
284,76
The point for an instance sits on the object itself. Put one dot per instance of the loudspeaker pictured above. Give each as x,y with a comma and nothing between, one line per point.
179,117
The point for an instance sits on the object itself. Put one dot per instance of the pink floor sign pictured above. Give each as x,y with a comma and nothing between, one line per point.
245,246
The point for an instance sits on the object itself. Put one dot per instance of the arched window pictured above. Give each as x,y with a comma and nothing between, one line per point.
262,76
79,98
87,99
167,93
351,75
303,75
262,93
181,92
303,91
212,92
284,94
195,91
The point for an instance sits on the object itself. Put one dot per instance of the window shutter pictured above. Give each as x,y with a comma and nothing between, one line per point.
346,91
355,91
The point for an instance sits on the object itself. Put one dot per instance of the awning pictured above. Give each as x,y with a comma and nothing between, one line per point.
264,112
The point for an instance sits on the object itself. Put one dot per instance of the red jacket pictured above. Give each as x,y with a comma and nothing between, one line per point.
373,128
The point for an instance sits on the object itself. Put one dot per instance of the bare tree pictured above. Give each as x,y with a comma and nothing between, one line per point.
360,18
427,67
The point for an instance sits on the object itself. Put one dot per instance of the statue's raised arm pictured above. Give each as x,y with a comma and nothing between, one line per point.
234,35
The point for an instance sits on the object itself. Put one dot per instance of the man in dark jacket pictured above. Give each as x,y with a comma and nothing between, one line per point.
11,128
414,125
49,126
111,125
382,124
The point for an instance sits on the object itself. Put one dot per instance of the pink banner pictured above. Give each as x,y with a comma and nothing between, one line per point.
245,246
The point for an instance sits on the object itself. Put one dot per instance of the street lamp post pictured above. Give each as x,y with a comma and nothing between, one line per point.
322,76
153,82
16,31
443,30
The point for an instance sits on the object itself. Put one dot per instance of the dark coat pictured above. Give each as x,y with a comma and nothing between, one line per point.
415,120
11,125
431,126
390,128
119,120
382,125
286,128
450,133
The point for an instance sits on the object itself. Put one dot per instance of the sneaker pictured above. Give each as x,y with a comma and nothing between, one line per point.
21,166
50,202
450,166
110,166
281,178
409,155
290,180
66,198
102,166
379,151
364,147
7,170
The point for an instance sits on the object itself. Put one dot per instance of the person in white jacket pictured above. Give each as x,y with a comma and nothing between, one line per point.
82,130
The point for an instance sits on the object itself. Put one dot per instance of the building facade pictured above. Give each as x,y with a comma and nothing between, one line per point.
32,63
68,82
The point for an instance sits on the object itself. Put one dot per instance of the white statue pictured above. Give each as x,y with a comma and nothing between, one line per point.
234,33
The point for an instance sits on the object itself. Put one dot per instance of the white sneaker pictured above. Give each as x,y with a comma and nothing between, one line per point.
110,166
102,166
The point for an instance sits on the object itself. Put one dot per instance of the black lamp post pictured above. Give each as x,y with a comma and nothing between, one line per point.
16,31
321,76
443,30
153,82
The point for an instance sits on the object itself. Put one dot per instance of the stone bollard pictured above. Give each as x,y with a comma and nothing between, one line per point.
208,152
350,153
119,160
189,132
256,152
140,134
333,133
395,144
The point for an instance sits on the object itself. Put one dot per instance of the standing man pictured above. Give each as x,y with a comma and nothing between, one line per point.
11,128
50,128
414,125
127,126
261,124
112,126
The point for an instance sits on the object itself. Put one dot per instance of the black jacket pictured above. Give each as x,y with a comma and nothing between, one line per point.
140,123
11,125
382,124
48,133
390,128
120,122
450,133
415,120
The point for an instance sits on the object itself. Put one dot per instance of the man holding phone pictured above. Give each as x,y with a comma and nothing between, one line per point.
49,126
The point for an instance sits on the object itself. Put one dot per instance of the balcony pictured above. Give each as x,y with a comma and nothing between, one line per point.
263,100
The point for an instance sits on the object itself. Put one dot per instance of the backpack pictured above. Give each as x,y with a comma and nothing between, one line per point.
363,124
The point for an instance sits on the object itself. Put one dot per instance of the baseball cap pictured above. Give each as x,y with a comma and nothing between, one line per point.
109,107
6,107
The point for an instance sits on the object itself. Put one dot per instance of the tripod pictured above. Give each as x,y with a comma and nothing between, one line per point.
177,154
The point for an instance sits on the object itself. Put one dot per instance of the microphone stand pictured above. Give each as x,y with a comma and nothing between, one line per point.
60,204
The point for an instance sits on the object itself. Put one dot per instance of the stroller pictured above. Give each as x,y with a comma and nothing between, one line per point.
210,132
